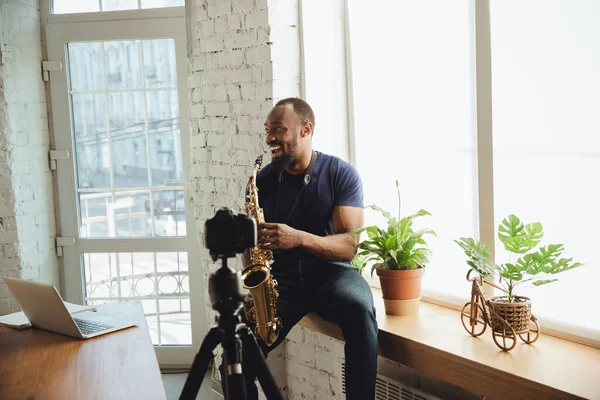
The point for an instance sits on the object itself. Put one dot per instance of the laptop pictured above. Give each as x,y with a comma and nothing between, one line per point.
42,305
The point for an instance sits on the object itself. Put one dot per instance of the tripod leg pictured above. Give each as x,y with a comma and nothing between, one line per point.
200,364
267,382
235,384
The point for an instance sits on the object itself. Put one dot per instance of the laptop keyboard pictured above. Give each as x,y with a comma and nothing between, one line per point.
89,327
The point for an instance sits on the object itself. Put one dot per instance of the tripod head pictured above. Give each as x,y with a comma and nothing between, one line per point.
226,297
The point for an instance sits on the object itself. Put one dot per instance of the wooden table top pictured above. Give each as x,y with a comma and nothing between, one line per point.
36,364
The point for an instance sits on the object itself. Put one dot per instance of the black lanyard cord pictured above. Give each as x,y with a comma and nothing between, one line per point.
306,181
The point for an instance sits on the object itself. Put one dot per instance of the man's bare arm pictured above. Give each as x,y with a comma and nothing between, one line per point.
337,247
340,246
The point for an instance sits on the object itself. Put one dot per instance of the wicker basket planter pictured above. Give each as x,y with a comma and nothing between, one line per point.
517,313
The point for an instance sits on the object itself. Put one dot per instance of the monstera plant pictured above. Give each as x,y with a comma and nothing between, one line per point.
511,314
537,267
399,254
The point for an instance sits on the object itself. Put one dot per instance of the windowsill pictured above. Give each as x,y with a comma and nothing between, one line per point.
435,342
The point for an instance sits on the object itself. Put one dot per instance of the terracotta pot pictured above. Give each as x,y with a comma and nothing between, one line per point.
400,285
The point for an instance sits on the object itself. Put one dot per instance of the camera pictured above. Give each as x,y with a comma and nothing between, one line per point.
228,233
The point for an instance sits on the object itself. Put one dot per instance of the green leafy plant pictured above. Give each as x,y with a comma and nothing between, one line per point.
398,247
360,262
537,267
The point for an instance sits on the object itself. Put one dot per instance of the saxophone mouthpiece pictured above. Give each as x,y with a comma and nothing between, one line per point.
258,160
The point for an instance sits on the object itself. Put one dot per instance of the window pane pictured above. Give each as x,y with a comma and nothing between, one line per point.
546,96
123,64
75,6
81,6
414,122
162,3
94,214
158,280
128,215
86,66
324,66
159,63
114,5
165,138
169,213
128,139
91,140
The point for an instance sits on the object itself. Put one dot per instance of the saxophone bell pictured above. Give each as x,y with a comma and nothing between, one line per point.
261,309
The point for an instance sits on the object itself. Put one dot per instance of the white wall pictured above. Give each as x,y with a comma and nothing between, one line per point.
27,221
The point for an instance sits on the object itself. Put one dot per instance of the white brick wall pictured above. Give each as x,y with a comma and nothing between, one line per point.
313,365
27,222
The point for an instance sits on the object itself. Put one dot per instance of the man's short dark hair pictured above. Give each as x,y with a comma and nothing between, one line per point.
301,109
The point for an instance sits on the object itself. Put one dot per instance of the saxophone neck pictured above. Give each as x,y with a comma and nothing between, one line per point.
252,189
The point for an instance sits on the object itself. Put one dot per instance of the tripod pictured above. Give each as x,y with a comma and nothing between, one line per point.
235,338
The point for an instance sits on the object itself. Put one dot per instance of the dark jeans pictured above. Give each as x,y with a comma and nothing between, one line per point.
339,295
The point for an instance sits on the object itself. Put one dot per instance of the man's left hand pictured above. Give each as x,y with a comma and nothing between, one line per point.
278,236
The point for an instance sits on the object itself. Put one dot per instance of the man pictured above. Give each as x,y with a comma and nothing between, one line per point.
308,222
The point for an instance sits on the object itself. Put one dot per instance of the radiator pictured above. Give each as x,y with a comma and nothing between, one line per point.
389,389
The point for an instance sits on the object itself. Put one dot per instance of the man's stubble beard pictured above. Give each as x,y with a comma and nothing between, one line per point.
289,157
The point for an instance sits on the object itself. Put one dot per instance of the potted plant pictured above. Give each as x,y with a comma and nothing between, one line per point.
360,262
526,265
399,254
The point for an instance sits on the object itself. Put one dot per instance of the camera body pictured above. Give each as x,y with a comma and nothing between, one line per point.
227,233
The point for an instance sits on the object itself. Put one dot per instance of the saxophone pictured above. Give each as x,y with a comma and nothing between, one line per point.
261,308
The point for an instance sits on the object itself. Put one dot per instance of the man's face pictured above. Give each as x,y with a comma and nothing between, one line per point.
283,128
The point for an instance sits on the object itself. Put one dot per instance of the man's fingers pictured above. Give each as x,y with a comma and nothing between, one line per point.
263,235
266,232
267,246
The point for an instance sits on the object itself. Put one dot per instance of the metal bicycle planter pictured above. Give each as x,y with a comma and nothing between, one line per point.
478,313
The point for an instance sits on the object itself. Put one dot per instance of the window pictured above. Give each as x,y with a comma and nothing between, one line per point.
122,89
85,6
413,121
546,97
324,64
411,87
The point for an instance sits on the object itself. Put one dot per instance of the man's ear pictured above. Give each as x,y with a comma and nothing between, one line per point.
307,129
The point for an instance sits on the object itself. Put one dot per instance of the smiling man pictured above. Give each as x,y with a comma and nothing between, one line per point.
312,202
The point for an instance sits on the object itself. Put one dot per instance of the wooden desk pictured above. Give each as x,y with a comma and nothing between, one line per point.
35,364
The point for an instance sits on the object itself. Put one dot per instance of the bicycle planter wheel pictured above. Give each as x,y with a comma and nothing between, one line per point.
503,334
533,332
473,319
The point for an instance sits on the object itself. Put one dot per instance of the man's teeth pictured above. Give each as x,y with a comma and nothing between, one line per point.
275,148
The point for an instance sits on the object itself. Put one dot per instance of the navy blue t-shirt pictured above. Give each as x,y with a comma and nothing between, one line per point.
334,182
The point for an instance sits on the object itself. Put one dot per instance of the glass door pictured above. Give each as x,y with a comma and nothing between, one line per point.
120,111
